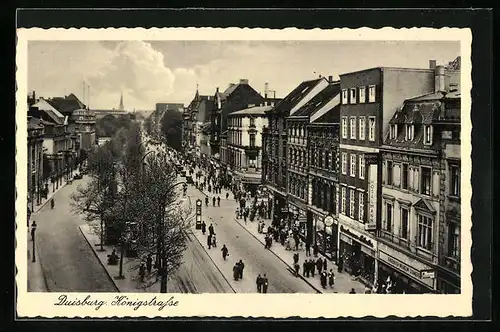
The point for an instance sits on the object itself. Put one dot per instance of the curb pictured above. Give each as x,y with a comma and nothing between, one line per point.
41,206
217,267
281,259
92,248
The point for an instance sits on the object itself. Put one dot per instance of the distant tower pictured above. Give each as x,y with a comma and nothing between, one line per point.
121,108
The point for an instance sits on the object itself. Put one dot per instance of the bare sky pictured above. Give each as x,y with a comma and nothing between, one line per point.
168,71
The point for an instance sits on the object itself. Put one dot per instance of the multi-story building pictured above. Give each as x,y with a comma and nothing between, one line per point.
274,168
197,116
310,164
244,145
35,161
83,123
419,237
369,99
236,97
56,144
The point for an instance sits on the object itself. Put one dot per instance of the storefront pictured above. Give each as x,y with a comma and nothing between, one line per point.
278,205
358,253
406,274
325,234
297,216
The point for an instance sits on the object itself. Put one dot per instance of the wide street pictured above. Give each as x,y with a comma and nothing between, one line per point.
244,246
69,264
67,261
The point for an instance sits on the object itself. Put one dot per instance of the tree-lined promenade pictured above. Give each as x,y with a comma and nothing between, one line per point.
132,202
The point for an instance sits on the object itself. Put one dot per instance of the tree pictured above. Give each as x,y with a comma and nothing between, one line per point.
171,128
162,229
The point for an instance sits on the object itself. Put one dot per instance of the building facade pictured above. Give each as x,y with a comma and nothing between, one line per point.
35,161
235,98
83,125
419,238
274,170
244,145
369,98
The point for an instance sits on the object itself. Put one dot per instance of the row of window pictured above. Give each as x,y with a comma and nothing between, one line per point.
359,134
352,203
297,131
353,169
323,195
323,158
235,122
410,132
359,95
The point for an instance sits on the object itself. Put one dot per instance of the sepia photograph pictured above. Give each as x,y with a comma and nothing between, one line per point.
162,167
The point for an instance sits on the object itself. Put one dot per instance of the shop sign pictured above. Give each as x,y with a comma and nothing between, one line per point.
399,265
430,274
372,198
358,237
346,239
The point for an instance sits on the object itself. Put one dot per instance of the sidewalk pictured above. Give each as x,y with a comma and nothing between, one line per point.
36,279
343,281
51,194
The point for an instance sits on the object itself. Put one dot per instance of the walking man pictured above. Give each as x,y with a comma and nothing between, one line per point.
209,241
213,201
211,230
33,230
241,268
218,200
259,283
319,265
203,227
265,283
225,252
305,269
227,195
206,201
308,249
237,213
331,278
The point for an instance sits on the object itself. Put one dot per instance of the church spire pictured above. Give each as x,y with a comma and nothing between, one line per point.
121,102
197,95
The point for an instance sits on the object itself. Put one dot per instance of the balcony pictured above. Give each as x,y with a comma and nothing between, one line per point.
451,263
407,246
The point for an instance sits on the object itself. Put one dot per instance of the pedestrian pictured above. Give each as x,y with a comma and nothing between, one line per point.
265,283
52,203
225,252
227,195
214,241
33,230
237,213
211,230
242,266
218,201
319,265
297,269
313,267
331,278
340,264
236,272
142,272
305,270
315,250
245,217
203,227
323,279
209,241
296,258
259,283
213,201
206,201
308,249
149,263
296,238
325,266
353,291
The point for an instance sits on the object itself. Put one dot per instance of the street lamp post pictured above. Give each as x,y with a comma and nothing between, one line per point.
33,235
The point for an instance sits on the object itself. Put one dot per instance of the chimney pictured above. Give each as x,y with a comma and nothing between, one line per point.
330,79
34,96
439,77
243,81
217,90
432,64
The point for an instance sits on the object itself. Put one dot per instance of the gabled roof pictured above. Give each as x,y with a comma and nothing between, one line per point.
255,110
331,116
294,97
51,113
66,104
34,123
318,101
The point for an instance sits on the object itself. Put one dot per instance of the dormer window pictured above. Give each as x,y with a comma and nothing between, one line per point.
394,131
428,135
409,132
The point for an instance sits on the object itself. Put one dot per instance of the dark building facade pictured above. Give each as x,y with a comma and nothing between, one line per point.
235,98
369,98
274,162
